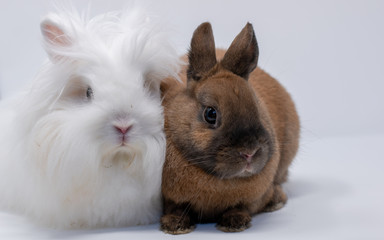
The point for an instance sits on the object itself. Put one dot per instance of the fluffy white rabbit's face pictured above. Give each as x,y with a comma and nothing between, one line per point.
105,115
112,99
100,100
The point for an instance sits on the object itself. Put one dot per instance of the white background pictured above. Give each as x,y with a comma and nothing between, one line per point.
329,55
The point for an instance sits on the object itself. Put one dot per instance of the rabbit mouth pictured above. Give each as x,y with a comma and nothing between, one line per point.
248,170
233,170
123,139
122,129
122,133
238,168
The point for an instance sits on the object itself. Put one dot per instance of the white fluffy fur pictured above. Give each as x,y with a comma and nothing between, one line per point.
61,159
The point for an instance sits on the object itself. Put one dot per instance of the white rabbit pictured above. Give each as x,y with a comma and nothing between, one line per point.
83,146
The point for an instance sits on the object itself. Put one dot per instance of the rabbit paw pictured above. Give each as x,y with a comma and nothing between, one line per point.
174,224
277,201
234,221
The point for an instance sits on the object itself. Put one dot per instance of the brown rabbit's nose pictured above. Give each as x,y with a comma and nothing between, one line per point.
248,155
123,129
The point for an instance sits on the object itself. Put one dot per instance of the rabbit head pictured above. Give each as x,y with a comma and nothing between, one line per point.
219,124
96,103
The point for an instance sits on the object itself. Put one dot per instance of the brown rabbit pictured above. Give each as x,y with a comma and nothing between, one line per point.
231,134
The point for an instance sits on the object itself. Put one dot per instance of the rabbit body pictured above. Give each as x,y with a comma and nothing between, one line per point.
83,146
226,170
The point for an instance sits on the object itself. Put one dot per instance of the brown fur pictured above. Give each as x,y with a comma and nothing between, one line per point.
191,192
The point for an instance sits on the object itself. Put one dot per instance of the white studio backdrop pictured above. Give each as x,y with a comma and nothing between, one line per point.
328,54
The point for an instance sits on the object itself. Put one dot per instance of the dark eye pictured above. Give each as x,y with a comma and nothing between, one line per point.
89,93
210,115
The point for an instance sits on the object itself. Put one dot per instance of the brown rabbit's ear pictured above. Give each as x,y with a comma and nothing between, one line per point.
241,57
202,54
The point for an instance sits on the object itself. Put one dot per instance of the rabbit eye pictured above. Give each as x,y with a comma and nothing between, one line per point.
89,93
210,115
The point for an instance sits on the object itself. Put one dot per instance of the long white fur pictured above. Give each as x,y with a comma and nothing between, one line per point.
61,162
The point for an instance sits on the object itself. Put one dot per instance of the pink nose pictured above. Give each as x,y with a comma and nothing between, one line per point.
123,129
248,156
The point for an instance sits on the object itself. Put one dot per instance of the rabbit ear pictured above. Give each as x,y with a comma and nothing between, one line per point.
202,55
55,37
242,56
